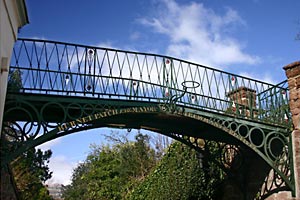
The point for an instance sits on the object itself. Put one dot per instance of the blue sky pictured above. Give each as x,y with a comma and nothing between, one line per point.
255,38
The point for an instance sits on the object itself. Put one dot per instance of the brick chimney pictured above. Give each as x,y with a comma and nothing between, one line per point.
244,99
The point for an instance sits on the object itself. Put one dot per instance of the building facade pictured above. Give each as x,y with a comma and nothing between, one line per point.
13,15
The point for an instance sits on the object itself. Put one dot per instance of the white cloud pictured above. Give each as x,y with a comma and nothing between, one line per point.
135,35
61,166
62,170
267,78
199,34
48,145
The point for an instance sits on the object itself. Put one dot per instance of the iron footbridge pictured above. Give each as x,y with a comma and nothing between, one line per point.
57,88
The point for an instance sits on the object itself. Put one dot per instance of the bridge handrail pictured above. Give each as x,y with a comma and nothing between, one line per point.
146,54
71,69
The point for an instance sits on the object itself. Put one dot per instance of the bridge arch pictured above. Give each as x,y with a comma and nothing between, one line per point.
181,124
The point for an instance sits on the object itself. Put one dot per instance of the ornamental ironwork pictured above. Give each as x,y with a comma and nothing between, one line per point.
59,88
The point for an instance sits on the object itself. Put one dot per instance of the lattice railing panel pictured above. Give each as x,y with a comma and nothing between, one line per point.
57,68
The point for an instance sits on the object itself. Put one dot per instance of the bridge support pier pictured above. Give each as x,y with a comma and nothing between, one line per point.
293,74
244,183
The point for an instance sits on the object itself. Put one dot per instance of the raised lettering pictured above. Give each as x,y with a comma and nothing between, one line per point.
104,114
72,123
84,120
143,109
109,112
153,109
62,127
79,121
97,116
90,118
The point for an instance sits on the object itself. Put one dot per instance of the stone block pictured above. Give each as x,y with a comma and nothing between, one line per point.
297,134
296,122
293,72
297,82
292,69
293,104
294,95
292,83
295,111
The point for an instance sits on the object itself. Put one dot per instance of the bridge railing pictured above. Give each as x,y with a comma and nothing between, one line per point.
56,68
274,103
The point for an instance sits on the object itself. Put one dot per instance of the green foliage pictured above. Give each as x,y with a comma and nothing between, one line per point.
30,171
78,187
37,161
15,81
110,172
130,170
180,175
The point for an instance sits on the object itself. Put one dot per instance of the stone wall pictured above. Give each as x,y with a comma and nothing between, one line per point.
293,74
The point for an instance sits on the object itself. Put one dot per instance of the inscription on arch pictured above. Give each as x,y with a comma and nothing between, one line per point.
144,109
107,113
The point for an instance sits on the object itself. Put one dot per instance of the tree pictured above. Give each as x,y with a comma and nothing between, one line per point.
110,172
161,143
77,188
181,175
130,170
30,171
15,80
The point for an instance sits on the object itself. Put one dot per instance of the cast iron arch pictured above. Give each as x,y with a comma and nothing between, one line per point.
222,130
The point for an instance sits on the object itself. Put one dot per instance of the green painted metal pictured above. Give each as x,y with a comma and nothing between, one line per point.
81,82
56,68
